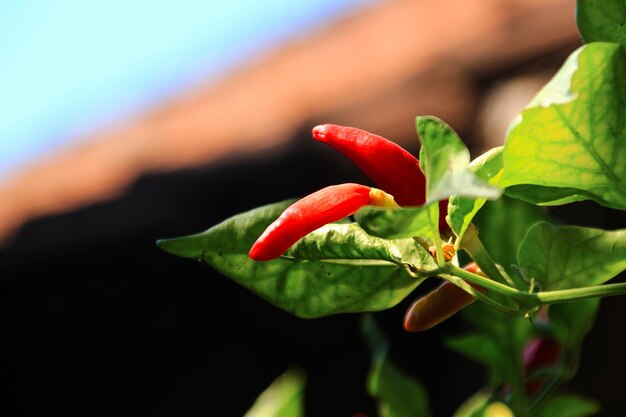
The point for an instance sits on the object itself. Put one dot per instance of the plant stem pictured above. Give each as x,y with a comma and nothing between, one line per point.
487,283
472,245
433,219
533,300
575,294
477,294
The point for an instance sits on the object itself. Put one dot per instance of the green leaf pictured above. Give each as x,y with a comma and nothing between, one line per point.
461,210
283,398
444,158
572,321
350,243
399,394
481,348
503,224
602,20
498,343
331,280
572,134
547,196
394,223
567,405
481,404
572,257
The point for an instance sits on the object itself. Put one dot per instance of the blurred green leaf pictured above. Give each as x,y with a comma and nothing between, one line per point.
567,406
399,394
572,321
571,257
283,398
461,210
498,343
444,158
602,20
341,268
571,136
481,348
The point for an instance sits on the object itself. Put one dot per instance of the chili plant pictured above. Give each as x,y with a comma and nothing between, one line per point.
538,283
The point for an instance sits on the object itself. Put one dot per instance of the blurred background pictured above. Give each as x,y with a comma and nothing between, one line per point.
125,122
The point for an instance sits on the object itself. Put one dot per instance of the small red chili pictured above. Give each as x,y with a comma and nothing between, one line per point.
439,304
312,212
390,166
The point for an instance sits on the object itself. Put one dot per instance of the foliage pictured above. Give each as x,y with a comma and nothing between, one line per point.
283,398
568,145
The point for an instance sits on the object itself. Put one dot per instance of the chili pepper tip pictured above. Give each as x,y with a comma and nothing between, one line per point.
319,132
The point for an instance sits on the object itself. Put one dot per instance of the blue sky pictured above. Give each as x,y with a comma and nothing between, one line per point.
68,67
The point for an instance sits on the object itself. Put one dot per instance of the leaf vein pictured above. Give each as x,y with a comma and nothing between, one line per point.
605,168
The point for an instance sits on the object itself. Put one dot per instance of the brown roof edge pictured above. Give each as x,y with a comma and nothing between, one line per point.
333,73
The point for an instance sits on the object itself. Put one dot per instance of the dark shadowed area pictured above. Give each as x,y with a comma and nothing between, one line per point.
97,321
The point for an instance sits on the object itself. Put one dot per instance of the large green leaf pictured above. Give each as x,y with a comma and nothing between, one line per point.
327,280
572,257
602,20
567,405
573,133
283,398
461,210
444,158
399,394
394,223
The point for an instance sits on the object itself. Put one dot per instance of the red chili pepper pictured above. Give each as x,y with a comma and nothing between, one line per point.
312,212
389,165
439,304
539,353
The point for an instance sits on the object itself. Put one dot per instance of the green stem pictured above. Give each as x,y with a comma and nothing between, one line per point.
575,294
487,283
433,219
477,294
530,301
472,245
